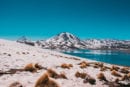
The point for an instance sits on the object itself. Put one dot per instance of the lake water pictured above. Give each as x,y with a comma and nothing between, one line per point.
108,56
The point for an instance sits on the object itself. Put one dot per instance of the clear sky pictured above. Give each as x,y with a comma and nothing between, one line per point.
84,18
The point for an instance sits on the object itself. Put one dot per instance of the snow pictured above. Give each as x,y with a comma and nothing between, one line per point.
46,58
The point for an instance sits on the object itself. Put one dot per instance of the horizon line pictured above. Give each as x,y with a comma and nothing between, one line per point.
11,37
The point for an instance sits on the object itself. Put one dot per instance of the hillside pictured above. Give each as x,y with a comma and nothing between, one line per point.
15,56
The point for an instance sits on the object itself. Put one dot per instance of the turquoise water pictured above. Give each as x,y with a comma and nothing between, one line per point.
108,56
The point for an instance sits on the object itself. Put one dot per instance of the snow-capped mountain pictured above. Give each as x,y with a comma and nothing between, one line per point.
107,44
64,41
68,41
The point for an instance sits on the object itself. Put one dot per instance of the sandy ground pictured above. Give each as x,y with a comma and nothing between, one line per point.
14,55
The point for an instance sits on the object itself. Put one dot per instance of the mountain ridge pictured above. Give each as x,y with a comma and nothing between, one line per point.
68,41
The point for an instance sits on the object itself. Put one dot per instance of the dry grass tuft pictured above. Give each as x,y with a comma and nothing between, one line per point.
101,77
67,66
125,77
81,75
103,68
70,65
116,68
32,67
38,66
45,81
52,73
83,64
96,66
100,64
62,75
90,80
115,73
124,70
55,75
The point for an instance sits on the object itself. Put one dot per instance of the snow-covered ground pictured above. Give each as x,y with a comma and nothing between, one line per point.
15,55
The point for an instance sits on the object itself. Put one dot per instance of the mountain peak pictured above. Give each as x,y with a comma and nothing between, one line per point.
66,36
64,33
64,40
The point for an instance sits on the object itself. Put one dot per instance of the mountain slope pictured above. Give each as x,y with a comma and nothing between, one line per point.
62,41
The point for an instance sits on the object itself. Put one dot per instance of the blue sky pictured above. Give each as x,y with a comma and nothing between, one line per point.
84,18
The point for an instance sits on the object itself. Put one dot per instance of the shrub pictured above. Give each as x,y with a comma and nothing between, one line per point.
116,68
89,79
32,67
62,75
70,65
124,70
83,64
55,75
115,73
52,73
45,81
81,75
125,77
99,64
64,65
101,77
96,66
103,68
